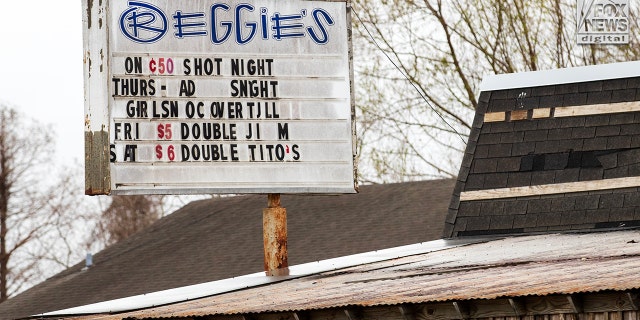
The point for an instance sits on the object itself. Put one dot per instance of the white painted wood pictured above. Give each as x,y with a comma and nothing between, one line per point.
561,76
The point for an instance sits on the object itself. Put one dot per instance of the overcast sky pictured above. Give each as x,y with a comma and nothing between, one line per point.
41,67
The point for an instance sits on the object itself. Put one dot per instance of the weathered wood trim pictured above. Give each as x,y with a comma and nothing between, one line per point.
575,302
429,311
353,314
97,179
96,97
547,189
518,306
547,305
462,309
607,315
519,115
633,299
606,305
495,116
541,113
595,109
490,308
408,312
562,112
301,315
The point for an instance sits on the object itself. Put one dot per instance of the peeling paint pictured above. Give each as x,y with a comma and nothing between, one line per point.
89,6
97,178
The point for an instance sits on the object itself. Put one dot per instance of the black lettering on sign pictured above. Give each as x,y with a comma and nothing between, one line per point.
235,110
209,152
133,65
253,131
234,152
217,109
193,109
273,152
133,87
186,64
112,153
253,156
206,66
200,66
187,88
294,151
254,88
280,152
208,131
283,131
252,67
137,109
130,152
129,131
262,110
166,109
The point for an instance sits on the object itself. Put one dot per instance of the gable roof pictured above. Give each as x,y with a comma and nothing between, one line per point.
552,150
220,238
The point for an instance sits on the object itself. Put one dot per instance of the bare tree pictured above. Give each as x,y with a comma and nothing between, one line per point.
418,87
34,202
127,215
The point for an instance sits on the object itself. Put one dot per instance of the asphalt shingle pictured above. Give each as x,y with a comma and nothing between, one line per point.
220,238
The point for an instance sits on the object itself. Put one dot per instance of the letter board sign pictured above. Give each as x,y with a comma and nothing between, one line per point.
206,96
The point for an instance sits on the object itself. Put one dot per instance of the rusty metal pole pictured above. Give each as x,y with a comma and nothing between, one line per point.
274,230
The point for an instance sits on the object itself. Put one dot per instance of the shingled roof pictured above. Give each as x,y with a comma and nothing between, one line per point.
550,151
220,238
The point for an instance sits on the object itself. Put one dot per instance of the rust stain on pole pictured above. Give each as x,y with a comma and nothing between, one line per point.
273,200
274,226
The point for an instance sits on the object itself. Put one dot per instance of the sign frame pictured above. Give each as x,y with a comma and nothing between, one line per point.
105,176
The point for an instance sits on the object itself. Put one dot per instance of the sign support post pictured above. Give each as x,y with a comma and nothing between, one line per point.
224,97
274,229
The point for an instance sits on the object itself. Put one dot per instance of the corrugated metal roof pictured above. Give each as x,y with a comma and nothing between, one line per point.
510,267
260,279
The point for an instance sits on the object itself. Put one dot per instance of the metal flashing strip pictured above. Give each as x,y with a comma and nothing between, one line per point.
547,189
561,76
207,289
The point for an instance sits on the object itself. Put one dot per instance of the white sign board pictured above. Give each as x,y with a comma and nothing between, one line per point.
206,96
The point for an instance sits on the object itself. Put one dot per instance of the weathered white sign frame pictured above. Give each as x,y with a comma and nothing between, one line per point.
206,96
